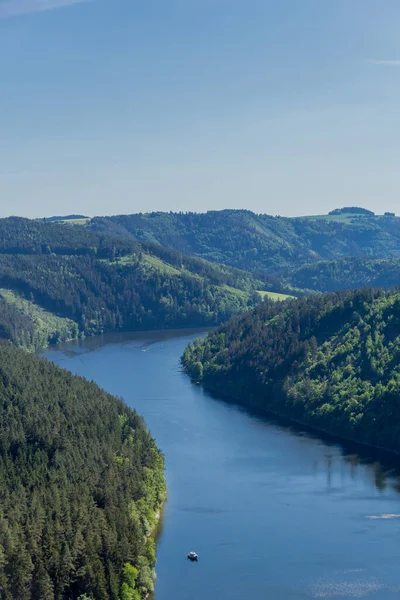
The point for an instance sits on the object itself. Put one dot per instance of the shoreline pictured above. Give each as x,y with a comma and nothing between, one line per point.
176,331
334,437
153,535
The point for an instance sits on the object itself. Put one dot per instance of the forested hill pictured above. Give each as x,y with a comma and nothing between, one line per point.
27,236
330,361
59,281
81,484
257,242
345,273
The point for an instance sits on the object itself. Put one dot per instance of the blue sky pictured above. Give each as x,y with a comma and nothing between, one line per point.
116,106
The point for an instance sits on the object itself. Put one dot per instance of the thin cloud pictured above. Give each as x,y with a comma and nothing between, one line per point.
385,63
13,8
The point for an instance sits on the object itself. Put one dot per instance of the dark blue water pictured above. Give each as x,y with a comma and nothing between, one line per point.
274,512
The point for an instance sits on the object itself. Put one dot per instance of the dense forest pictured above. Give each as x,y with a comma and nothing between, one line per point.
59,281
27,236
330,361
81,484
262,243
345,274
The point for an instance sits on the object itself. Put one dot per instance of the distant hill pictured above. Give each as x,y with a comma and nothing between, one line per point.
59,281
345,274
353,210
261,243
66,218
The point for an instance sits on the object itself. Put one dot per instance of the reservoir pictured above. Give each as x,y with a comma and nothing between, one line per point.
274,512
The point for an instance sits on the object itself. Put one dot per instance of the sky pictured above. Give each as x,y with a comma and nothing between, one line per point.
286,107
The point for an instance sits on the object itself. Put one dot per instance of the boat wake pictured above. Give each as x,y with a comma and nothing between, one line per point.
384,516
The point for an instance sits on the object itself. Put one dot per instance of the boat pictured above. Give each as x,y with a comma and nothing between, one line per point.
193,556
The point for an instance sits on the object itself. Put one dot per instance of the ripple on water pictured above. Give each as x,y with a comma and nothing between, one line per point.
345,589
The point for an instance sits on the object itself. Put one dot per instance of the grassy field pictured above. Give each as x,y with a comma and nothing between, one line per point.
76,221
235,291
148,260
345,218
274,295
160,265
129,259
47,326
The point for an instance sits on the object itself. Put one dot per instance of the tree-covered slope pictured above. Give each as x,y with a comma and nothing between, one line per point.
256,242
330,361
99,296
92,283
27,236
30,326
346,273
81,481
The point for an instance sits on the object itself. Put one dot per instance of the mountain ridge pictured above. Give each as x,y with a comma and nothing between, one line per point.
259,242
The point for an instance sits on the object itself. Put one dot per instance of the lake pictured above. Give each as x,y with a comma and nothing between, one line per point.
273,511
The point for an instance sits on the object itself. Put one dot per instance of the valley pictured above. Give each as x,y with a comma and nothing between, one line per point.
284,336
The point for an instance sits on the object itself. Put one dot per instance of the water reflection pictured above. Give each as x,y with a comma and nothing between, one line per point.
126,339
382,468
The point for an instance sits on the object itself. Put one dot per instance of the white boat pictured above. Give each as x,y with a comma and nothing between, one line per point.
193,556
